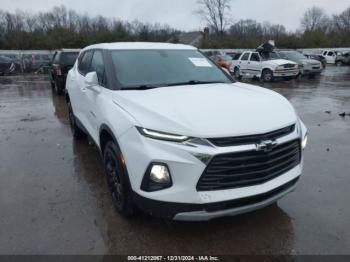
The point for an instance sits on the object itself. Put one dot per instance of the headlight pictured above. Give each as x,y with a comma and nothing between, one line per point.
304,142
161,135
279,68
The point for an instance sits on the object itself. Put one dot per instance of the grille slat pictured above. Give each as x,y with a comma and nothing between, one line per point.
249,168
269,162
252,139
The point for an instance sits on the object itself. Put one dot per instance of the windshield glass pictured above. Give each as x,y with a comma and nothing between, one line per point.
292,55
269,55
137,68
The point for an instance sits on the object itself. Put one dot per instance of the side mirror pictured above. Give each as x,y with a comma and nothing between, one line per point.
91,79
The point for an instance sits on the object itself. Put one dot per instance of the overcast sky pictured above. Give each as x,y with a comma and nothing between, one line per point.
180,13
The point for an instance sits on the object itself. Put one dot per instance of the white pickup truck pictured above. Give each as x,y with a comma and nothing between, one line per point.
252,64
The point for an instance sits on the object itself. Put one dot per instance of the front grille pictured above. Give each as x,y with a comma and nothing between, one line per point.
249,168
253,139
289,66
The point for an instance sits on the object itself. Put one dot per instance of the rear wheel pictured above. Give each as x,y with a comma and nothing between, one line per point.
76,131
117,180
267,75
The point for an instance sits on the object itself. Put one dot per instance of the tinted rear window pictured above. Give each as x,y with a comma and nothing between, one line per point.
69,58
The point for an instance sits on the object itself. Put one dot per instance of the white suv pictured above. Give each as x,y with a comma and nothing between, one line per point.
179,138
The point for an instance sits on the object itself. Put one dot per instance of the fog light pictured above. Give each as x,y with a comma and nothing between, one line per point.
304,142
157,177
160,174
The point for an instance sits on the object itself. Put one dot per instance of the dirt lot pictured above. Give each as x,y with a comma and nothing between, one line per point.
54,200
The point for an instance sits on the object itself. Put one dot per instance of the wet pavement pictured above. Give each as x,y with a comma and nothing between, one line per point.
54,199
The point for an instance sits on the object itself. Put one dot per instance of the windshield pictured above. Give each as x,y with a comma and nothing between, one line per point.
269,55
292,55
141,68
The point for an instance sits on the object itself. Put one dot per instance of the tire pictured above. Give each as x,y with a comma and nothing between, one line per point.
77,133
267,75
237,73
117,180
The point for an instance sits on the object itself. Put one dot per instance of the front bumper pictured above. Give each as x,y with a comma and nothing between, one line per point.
286,73
182,201
205,212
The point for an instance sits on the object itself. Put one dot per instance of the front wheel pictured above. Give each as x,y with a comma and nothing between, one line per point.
117,180
267,75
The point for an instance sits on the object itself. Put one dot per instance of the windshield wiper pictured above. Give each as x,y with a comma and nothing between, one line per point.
195,82
140,87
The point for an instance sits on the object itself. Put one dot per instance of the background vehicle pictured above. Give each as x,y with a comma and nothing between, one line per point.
307,66
343,59
319,58
62,61
35,61
267,68
16,60
6,65
171,151
330,56
224,61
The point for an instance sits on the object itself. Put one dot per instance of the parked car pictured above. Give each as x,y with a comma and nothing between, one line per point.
343,59
319,58
6,65
224,61
309,67
34,62
179,138
265,66
15,58
330,56
62,61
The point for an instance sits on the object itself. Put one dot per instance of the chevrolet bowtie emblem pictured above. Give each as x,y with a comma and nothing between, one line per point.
266,146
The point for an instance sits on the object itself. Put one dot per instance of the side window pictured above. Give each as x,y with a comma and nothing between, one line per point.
84,62
245,57
325,53
255,57
330,53
97,65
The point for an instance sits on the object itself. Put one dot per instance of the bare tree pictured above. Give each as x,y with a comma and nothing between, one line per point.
215,12
342,21
315,18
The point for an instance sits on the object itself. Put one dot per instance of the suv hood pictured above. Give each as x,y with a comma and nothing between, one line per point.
279,62
208,111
